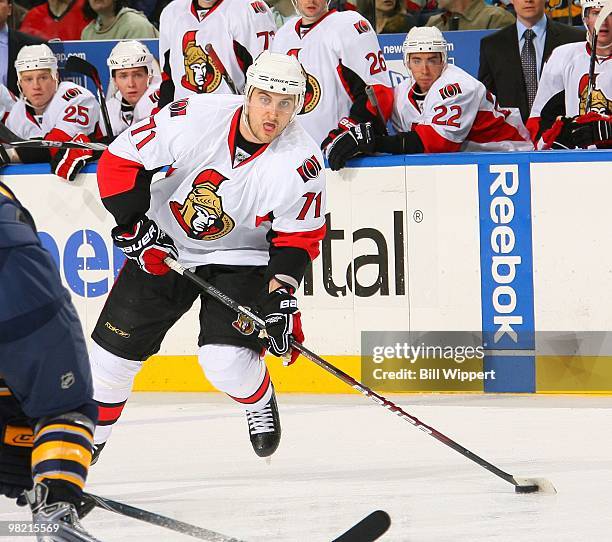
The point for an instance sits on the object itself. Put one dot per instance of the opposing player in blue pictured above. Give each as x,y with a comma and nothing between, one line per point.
47,415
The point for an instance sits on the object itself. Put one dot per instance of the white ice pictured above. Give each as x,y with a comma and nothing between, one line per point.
188,456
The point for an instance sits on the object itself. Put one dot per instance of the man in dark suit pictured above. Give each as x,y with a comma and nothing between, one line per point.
511,59
10,43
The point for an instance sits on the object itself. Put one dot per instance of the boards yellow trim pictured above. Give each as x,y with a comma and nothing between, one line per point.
567,374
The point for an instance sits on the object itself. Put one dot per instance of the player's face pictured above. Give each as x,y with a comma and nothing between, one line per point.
207,4
312,9
426,68
604,38
131,83
38,86
269,114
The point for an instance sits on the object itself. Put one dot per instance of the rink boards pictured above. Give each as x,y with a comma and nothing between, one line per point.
503,243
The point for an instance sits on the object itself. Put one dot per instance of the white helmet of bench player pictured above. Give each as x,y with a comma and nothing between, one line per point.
36,57
279,73
130,54
587,4
424,39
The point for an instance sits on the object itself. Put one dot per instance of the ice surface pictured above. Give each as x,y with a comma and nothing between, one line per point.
188,456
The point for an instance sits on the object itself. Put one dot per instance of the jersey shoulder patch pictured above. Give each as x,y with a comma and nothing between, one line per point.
71,93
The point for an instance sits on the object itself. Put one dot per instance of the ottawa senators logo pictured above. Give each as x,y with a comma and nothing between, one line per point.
201,215
179,108
310,169
362,26
154,96
71,93
599,101
450,91
313,88
201,75
259,6
243,324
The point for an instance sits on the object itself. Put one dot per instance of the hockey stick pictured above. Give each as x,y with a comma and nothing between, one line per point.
374,101
214,58
10,139
79,65
159,520
370,528
601,17
521,485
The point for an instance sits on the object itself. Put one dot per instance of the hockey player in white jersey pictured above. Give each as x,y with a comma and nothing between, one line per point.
244,204
7,101
341,56
51,110
237,30
560,117
439,108
137,89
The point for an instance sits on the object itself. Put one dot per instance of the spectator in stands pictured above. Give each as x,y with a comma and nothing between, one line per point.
61,19
11,41
511,59
557,10
115,21
469,15
17,15
392,18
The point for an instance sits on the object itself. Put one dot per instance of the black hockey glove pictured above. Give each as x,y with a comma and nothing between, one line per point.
559,135
280,312
591,129
147,245
400,143
357,139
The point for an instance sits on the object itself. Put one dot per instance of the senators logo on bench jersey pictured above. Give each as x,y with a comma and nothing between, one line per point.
313,88
201,215
71,93
600,103
201,75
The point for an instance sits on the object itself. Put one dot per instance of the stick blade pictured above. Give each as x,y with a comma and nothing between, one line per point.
534,485
79,65
370,528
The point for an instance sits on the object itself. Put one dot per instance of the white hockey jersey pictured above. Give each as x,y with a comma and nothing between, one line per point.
217,203
239,30
122,115
567,70
72,110
458,113
341,55
7,101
